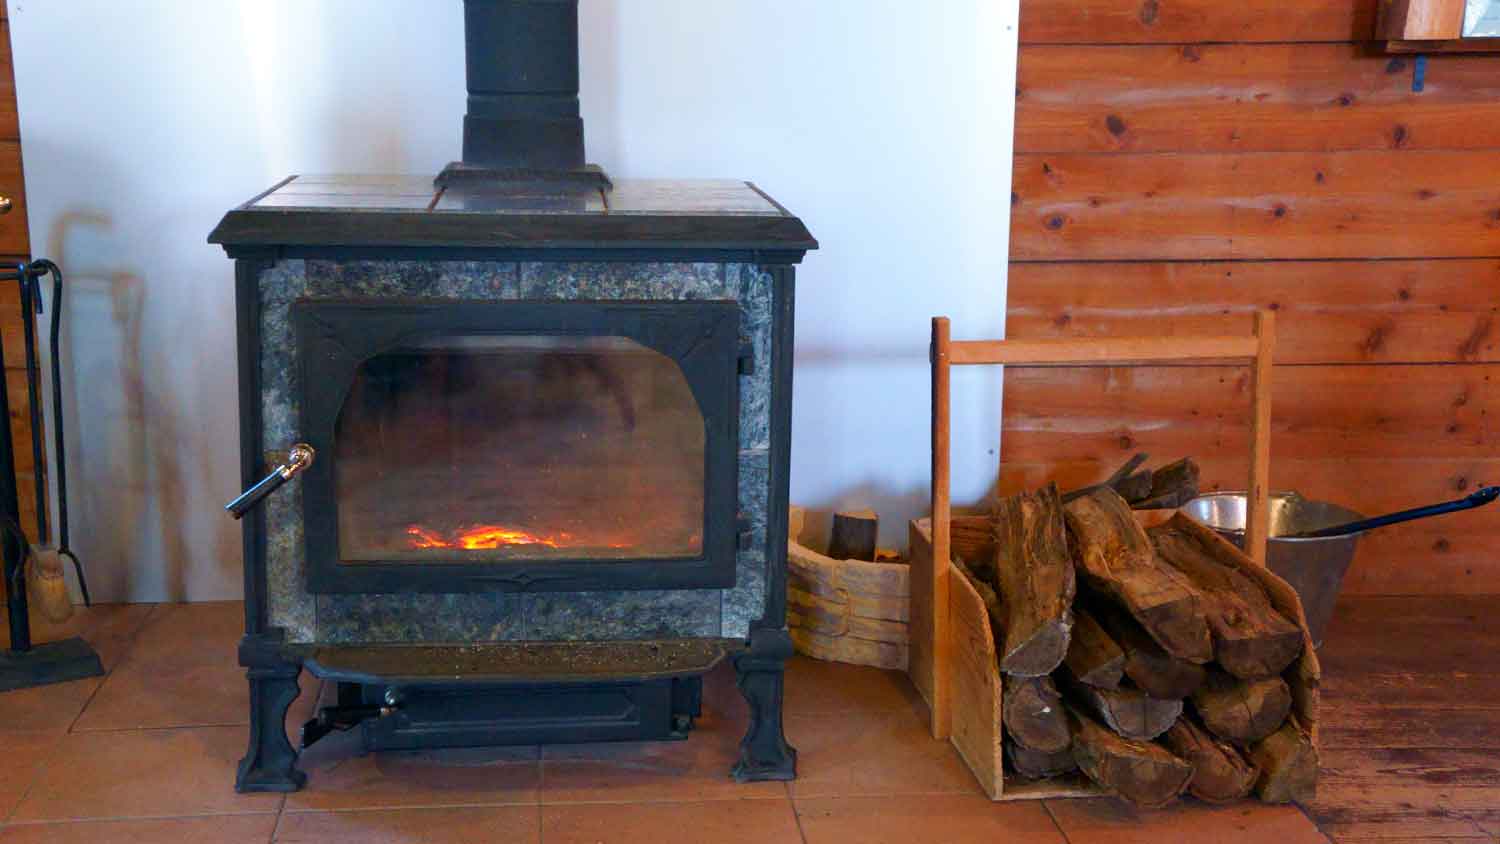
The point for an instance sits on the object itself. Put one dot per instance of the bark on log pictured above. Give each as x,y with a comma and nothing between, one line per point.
1034,765
1036,582
1251,639
1141,772
1135,488
1093,656
1288,764
1172,486
854,536
1148,666
1127,710
1115,557
1242,710
1033,713
1220,772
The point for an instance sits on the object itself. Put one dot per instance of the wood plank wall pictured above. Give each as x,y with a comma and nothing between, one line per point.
1180,163
14,249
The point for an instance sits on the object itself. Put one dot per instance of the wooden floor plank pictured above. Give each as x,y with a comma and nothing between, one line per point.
1384,792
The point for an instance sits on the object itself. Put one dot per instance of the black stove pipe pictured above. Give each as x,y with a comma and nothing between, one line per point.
522,65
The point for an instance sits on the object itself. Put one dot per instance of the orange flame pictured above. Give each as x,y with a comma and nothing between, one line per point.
477,538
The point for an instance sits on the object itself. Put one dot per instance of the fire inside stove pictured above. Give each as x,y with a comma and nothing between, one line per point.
480,538
482,449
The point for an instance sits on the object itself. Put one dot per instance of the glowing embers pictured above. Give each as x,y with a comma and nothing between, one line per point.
477,538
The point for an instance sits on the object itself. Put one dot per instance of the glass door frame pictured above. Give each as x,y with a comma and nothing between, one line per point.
335,336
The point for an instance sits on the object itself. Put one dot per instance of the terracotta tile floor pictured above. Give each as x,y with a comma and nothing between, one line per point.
147,754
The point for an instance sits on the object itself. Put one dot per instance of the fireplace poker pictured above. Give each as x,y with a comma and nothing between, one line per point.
298,459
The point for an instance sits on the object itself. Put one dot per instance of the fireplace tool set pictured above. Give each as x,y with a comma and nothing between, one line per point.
26,664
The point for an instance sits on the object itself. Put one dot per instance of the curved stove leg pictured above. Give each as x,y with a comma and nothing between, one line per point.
764,752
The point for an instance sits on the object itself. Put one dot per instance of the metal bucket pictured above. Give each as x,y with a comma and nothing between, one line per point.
1315,567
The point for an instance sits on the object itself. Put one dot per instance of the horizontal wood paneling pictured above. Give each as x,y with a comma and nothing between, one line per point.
1171,21
1263,97
1327,312
1393,204
1318,412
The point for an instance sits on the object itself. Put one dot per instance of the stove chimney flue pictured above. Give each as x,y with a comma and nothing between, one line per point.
523,121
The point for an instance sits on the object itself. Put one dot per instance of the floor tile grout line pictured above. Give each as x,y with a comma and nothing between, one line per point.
138,818
276,825
1056,824
796,815
130,641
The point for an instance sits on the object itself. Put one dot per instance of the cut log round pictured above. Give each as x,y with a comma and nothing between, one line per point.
1036,582
1148,666
1220,772
1127,710
1288,763
1034,765
854,535
1033,714
1115,557
1242,710
1251,639
1144,773
1093,656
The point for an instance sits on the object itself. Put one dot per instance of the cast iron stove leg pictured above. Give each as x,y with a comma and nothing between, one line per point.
764,753
270,764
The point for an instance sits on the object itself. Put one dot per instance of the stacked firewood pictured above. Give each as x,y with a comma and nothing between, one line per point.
1146,659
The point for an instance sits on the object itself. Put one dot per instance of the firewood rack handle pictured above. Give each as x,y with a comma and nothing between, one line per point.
298,459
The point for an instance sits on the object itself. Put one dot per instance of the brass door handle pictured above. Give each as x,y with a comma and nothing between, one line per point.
6,204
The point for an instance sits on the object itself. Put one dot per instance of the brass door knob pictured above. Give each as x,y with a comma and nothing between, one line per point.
5,204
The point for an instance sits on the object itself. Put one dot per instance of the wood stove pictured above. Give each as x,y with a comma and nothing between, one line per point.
551,419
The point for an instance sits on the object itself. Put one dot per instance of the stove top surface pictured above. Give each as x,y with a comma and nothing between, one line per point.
408,211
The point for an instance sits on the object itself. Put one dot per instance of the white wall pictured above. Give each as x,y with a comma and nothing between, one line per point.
886,125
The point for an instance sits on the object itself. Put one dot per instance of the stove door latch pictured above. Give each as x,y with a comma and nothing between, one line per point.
297,460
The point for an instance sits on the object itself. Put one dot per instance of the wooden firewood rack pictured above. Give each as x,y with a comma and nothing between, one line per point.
931,653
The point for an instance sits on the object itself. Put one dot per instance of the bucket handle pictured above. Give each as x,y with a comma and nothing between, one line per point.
1476,499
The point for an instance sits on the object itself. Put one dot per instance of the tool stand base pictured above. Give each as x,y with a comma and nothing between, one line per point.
54,662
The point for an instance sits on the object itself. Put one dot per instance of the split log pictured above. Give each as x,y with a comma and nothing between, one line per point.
1172,486
1148,666
1288,763
854,535
1035,765
1242,710
1116,558
1127,710
1036,582
1251,639
1220,772
1093,657
1033,713
1143,773
973,539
